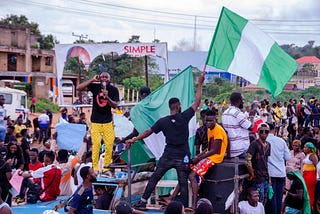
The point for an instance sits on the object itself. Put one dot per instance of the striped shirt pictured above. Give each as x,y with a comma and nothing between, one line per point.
236,124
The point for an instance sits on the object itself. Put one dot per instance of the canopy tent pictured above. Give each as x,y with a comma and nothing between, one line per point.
88,52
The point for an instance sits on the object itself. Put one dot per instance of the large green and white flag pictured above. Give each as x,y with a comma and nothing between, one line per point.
242,49
155,106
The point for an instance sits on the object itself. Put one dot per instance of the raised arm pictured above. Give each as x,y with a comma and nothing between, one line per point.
83,85
197,100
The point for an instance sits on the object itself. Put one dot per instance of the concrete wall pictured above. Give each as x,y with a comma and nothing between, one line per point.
40,86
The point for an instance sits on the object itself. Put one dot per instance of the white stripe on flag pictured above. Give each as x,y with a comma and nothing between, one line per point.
254,47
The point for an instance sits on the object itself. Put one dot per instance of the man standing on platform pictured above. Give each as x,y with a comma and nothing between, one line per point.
176,153
237,126
105,96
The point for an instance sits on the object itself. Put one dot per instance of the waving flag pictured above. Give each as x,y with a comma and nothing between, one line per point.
242,49
155,106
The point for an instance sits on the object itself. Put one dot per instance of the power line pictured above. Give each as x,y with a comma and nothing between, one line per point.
157,22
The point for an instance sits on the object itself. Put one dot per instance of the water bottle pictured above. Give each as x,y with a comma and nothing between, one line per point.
186,159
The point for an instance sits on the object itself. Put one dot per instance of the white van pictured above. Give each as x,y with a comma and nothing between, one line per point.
67,87
15,103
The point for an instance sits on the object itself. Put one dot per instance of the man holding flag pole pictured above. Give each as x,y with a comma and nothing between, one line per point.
176,153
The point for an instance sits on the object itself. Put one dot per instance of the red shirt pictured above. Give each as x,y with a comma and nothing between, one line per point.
34,100
50,181
34,167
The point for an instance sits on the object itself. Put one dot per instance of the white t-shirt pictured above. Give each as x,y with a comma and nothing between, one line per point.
236,124
246,208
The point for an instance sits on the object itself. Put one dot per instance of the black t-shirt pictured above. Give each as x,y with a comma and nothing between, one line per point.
176,131
101,110
25,146
103,201
5,185
295,202
259,160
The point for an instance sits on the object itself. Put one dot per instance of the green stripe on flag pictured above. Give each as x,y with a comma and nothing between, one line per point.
277,70
226,39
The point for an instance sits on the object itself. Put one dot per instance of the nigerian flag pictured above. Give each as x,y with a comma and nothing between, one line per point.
155,106
242,49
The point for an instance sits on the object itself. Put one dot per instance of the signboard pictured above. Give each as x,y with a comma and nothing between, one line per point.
88,52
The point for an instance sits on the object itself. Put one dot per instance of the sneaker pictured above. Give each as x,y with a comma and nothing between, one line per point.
140,205
19,200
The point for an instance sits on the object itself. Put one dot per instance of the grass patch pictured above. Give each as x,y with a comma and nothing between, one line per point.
43,104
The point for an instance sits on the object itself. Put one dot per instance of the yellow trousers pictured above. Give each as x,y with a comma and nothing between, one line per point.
106,131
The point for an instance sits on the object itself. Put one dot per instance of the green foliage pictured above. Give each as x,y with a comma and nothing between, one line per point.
133,83
47,41
20,21
155,81
72,66
134,39
307,50
43,104
218,87
82,41
27,87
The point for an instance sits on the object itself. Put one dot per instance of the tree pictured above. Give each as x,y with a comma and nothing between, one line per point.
82,41
155,81
133,83
108,41
134,39
21,21
72,66
45,41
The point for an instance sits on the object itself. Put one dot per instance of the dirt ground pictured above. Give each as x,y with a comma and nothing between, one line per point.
55,120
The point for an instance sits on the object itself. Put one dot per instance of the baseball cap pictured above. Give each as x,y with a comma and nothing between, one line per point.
123,208
263,125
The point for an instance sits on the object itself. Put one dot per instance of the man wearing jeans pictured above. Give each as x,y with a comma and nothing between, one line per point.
176,153
277,168
257,162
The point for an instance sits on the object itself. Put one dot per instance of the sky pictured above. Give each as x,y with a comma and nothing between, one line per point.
287,22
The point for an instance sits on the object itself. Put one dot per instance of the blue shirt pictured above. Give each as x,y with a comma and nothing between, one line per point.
83,201
279,154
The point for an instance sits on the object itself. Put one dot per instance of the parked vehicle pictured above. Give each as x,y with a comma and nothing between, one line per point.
15,103
67,87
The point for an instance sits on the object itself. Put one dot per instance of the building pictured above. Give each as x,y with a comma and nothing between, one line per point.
21,60
179,60
308,72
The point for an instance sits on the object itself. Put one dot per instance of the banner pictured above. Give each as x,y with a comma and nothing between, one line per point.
88,52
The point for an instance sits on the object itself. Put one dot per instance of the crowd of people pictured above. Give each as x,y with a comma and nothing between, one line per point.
277,142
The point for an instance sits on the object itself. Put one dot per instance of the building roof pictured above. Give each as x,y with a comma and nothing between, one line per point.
308,59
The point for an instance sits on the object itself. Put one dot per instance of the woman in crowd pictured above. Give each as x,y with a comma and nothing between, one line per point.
297,156
309,170
296,161
15,156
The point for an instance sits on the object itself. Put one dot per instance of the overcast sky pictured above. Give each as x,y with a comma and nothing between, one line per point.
288,22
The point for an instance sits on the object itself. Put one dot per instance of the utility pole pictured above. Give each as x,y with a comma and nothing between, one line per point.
81,36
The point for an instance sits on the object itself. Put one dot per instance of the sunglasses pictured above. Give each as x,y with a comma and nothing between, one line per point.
263,131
